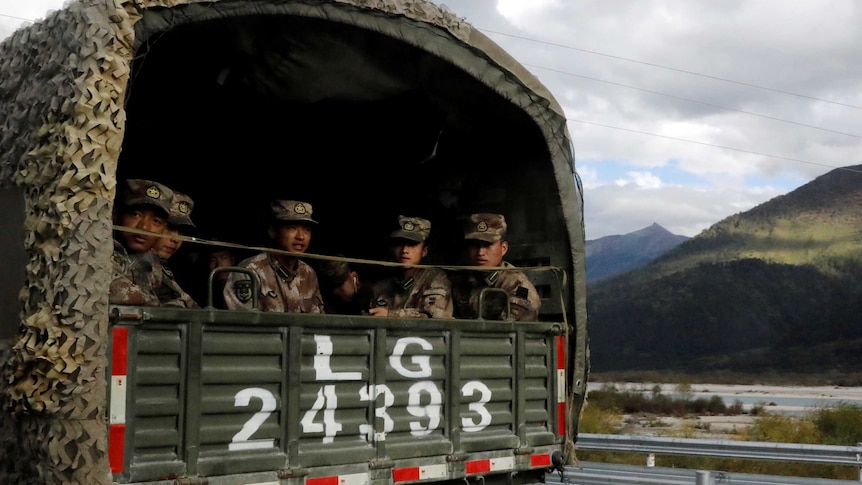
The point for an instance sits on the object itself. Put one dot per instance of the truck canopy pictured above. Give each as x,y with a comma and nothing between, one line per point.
367,109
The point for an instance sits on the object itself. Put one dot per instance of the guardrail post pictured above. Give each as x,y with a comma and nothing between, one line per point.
650,460
703,478
859,459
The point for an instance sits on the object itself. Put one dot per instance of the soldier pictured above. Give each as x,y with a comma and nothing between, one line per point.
287,284
179,223
412,292
343,291
144,205
218,257
485,235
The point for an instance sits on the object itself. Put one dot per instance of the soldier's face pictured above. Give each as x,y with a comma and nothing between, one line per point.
166,247
291,237
487,254
221,259
145,219
405,251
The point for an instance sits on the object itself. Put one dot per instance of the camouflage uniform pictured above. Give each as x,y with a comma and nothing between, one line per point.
524,301
132,281
168,290
281,290
140,278
166,286
520,295
427,292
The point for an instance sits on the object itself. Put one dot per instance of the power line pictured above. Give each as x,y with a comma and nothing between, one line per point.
714,145
694,101
16,18
563,46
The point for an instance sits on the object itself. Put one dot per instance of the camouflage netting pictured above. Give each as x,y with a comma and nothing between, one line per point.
62,84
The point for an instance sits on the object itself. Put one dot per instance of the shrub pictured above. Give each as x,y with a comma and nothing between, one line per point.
839,425
596,419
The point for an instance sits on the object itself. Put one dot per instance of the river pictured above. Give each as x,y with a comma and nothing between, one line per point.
792,400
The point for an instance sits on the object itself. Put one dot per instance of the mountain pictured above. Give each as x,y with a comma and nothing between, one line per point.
775,289
613,255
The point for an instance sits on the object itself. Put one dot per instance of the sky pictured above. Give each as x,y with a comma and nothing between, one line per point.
682,112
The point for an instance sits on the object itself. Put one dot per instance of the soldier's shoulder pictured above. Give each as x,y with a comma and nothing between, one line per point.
254,261
515,276
303,267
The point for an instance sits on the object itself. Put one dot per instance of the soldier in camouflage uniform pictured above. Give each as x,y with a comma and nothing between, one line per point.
343,291
412,292
145,205
485,235
287,284
179,223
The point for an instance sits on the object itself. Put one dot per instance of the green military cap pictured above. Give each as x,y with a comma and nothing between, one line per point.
147,192
181,210
485,227
291,211
412,228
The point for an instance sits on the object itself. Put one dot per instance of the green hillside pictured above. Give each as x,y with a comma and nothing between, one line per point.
783,279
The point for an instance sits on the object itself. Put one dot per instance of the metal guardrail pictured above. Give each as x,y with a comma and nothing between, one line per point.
592,473
824,454
603,473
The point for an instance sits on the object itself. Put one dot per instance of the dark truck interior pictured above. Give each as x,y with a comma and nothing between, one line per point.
244,108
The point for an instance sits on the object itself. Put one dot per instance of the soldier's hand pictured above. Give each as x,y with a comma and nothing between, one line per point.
379,311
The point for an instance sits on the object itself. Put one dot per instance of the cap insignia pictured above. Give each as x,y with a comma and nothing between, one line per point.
482,226
408,226
153,192
183,207
299,208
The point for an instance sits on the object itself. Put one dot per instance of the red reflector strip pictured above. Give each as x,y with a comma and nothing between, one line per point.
116,445
352,479
561,386
540,460
333,480
561,420
477,466
119,366
499,464
425,472
120,351
405,474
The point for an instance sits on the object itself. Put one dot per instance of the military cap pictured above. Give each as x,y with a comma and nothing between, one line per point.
485,227
181,210
147,192
291,211
412,228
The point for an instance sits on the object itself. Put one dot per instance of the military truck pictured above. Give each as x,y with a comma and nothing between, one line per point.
365,108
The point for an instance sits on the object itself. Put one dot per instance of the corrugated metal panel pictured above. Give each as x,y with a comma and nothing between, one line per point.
334,366
223,398
487,373
537,391
240,406
154,413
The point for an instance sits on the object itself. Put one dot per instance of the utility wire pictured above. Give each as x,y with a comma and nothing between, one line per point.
694,101
16,18
715,146
670,68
